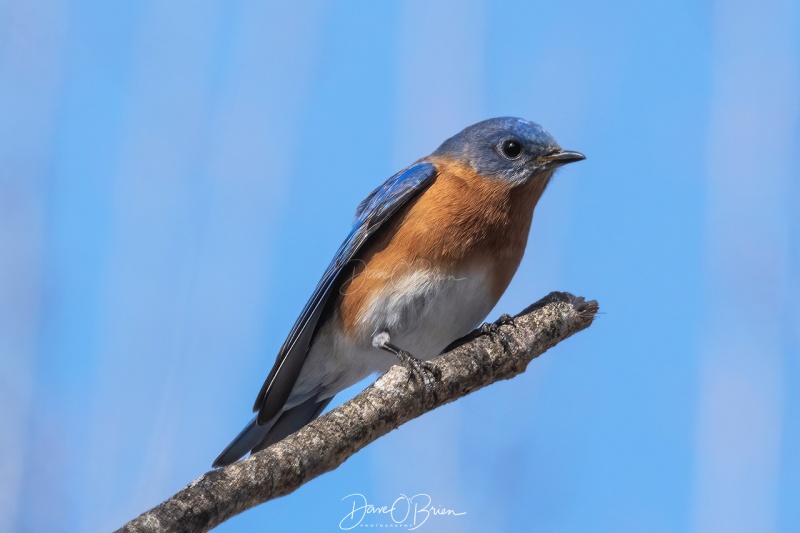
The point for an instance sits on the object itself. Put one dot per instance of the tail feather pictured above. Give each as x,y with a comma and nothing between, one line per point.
256,437
292,420
245,441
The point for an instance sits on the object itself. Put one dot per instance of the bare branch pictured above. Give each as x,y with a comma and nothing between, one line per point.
491,353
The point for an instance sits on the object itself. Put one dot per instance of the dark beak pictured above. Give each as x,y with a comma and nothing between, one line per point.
562,158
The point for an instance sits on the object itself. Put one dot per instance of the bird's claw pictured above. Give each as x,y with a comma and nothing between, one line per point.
505,319
494,331
492,328
425,370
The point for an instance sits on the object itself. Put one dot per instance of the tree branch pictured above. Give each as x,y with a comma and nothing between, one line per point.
490,353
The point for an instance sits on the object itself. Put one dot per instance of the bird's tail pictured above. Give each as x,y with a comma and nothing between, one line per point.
246,440
256,437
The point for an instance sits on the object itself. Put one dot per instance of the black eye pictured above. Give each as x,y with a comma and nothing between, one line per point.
511,148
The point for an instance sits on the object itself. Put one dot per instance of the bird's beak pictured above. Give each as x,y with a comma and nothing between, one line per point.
562,158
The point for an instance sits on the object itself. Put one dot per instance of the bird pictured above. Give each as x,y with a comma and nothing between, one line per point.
430,253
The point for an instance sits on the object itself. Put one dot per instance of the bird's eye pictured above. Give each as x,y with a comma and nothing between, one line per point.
511,148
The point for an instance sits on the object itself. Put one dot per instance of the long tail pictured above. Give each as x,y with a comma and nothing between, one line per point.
254,437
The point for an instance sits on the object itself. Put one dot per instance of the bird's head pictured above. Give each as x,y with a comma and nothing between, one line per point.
507,148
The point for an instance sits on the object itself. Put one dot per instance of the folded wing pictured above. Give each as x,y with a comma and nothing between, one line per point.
371,214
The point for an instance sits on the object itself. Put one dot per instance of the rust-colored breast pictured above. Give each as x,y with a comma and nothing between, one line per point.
461,220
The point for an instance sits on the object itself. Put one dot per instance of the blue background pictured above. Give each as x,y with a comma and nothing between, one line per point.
175,176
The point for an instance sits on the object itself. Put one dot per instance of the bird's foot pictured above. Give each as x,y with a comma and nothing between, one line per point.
492,328
494,331
426,371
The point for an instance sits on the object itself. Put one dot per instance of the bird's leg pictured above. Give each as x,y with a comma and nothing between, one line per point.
423,369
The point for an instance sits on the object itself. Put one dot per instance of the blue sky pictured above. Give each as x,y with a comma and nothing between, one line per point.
175,176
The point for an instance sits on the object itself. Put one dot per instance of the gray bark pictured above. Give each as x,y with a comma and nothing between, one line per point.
491,353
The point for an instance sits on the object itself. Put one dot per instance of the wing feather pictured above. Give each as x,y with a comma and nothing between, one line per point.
371,214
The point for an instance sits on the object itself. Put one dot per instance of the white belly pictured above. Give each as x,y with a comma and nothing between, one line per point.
422,311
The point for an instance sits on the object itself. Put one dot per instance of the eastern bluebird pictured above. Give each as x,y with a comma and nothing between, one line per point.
430,253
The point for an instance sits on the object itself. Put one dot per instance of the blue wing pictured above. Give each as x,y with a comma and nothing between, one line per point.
371,213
